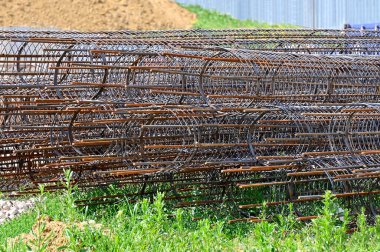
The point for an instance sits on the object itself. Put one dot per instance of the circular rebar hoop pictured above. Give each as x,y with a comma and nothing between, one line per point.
244,116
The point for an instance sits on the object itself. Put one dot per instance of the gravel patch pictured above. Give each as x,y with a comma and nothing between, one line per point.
10,209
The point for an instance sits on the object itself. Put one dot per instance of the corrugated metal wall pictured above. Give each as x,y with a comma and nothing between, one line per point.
308,13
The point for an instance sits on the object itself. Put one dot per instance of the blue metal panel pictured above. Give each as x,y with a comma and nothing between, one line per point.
307,13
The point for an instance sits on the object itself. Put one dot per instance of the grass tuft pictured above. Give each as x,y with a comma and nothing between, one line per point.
211,19
154,226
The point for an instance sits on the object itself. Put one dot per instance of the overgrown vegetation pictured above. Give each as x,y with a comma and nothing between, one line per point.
211,19
152,226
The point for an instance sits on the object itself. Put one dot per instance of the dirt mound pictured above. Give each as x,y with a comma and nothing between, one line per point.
52,233
96,15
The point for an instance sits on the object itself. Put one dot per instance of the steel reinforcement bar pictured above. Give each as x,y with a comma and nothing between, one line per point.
220,116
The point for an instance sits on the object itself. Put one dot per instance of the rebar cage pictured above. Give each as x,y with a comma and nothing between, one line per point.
244,116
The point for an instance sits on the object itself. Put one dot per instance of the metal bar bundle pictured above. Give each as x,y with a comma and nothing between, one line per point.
244,116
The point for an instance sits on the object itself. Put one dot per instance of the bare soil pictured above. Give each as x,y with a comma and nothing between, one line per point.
96,15
52,233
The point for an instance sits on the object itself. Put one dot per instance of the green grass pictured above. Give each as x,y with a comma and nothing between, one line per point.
210,19
155,226
22,224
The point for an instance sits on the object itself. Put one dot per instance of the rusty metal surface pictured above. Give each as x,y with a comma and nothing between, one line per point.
206,116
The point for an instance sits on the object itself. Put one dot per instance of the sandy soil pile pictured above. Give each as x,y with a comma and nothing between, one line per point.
53,233
96,15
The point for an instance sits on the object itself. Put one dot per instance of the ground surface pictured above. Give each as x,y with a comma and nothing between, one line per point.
96,15
10,209
55,224
211,19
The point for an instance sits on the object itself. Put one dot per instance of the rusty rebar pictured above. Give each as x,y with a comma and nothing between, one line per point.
206,116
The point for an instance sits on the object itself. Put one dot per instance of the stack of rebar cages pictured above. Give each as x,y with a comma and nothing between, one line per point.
207,116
